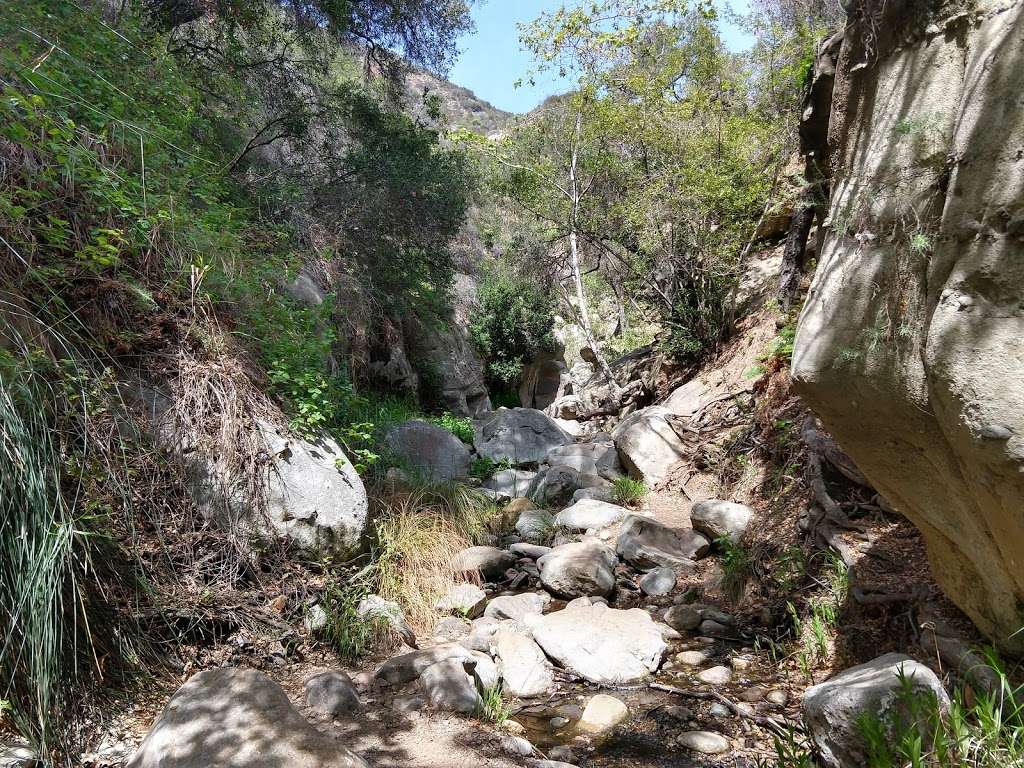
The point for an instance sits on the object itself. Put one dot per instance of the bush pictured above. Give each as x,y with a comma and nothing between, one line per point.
461,427
514,322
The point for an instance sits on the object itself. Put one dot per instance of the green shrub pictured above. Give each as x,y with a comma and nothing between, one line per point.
627,491
513,323
495,709
737,566
483,467
459,426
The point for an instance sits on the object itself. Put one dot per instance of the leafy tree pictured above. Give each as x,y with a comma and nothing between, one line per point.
514,322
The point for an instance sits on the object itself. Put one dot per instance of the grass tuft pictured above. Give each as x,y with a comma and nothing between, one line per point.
627,491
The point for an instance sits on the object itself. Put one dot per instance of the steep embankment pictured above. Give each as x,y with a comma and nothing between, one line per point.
909,344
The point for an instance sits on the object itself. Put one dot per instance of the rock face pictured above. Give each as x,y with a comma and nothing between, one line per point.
431,451
237,718
908,347
519,435
579,569
646,543
647,444
832,708
604,645
544,380
715,519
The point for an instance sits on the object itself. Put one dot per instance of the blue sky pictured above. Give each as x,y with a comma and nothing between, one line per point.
491,60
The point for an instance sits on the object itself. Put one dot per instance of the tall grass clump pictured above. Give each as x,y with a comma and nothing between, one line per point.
43,550
419,530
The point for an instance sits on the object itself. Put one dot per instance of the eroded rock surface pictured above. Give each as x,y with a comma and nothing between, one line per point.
908,347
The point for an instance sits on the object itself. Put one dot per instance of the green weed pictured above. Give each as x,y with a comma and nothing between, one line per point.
495,709
737,566
627,491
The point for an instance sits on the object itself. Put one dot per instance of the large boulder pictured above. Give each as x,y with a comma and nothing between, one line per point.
544,380
518,435
524,668
645,543
590,513
311,497
601,644
908,346
833,709
579,569
717,519
428,450
648,445
237,718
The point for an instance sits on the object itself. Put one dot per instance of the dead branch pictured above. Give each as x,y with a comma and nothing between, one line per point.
778,727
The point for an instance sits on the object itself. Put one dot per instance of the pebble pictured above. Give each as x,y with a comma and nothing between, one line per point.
741,663
778,698
715,675
720,710
753,694
705,742
658,582
558,722
692,658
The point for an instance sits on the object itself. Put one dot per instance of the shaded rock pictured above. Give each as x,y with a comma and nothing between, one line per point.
591,458
705,742
554,486
544,380
579,569
658,582
451,630
567,407
535,524
532,551
599,493
485,671
408,704
463,600
648,445
519,435
716,518
490,562
449,687
430,451
601,714
684,618
516,745
480,634
18,756
376,608
408,666
524,668
517,607
513,483
713,628
237,718
646,543
332,693
601,644
589,513
832,709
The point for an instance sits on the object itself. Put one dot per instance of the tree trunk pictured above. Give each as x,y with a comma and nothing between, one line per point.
574,259
793,255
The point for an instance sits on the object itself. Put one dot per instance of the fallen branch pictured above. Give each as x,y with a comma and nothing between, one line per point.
780,728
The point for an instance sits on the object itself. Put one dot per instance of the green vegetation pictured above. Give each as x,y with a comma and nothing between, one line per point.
627,491
495,709
483,467
459,426
514,323
737,566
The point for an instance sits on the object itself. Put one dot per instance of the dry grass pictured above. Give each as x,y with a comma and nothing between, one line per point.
419,530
